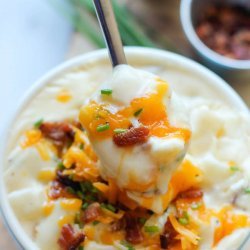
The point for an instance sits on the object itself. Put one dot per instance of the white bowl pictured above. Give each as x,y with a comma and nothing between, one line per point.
144,55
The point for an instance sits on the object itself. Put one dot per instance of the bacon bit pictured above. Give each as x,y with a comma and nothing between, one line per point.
69,238
59,132
131,137
168,238
118,225
164,242
132,229
56,190
191,194
92,212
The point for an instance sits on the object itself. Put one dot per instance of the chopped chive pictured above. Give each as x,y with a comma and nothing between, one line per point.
106,91
195,205
80,194
119,130
109,207
247,190
142,220
151,229
127,245
38,123
70,190
183,221
85,205
83,187
102,127
60,166
234,168
81,146
95,222
138,112
185,215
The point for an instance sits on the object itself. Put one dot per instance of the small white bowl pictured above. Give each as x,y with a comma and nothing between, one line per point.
144,55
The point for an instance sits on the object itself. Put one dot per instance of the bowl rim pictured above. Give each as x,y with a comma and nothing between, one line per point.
8,215
187,25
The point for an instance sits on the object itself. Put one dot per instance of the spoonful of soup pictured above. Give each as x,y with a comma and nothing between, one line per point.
135,123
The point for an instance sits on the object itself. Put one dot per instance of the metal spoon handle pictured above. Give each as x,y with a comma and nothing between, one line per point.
110,30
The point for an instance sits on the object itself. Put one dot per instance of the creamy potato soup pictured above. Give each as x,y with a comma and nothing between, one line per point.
64,197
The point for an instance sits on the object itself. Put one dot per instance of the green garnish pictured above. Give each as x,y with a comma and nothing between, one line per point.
247,190
151,229
119,130
80,194
60,166
70,190
234,168
138,112
128,245
142,220
195,205
81,248
95,222
106,91
38,123
184,220
81,146
109,207
85,205
102,127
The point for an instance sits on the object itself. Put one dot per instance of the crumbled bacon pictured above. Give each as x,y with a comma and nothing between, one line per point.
192,193
69,238
59,132
118,225
92,212
167,239
56,190
164,241
131,137
132,228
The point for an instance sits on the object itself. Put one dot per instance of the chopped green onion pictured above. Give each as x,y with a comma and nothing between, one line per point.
151,229
127,244
38,123
95,222
234,168
119,130
142,220
80,194
138,112
60,166
183,221
85,205
109,207
70,190
81,248
195,205
106,91
247,190
103,127
81,146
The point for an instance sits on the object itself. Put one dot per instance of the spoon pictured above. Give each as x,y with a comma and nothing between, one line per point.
110,30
